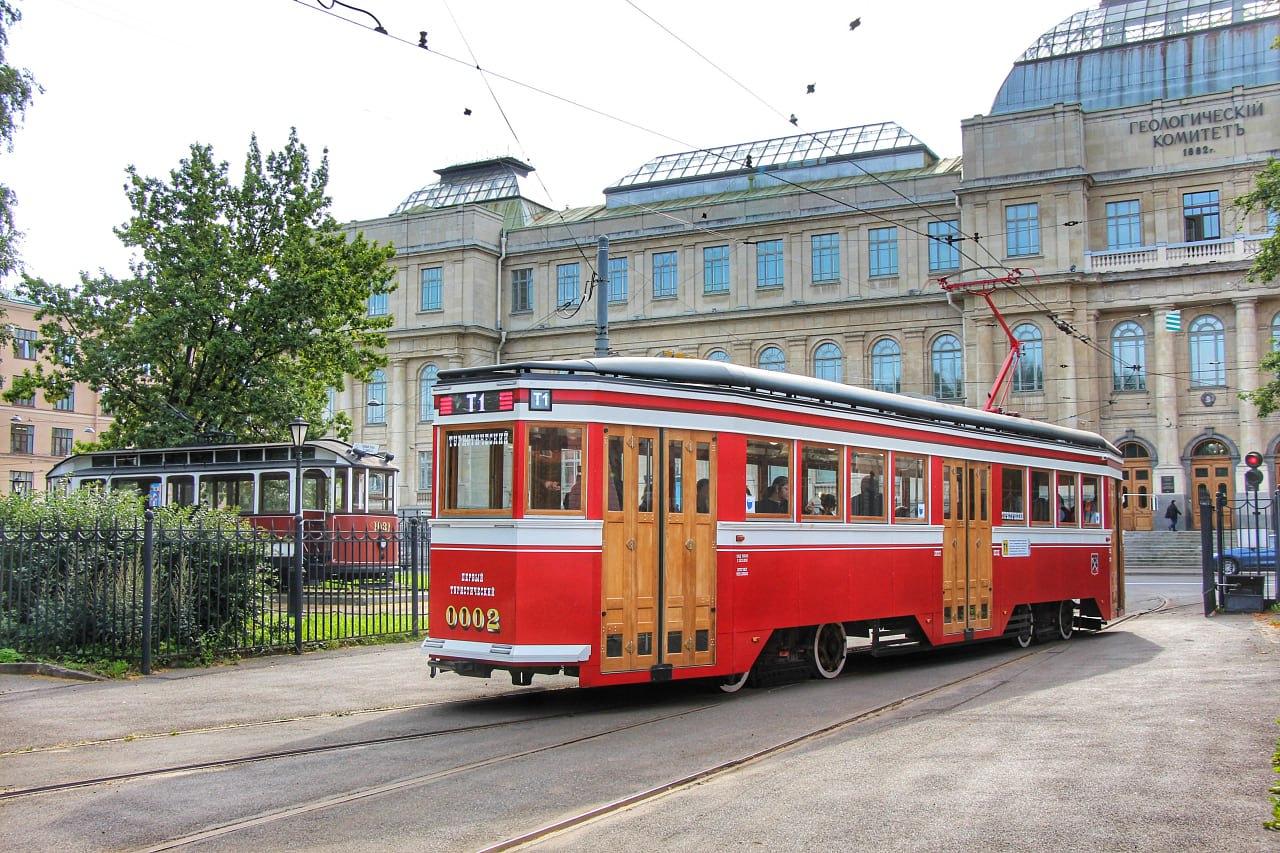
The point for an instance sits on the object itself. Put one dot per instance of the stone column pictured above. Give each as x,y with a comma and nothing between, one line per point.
1247,379
1165,403
913,358
397,403
855,358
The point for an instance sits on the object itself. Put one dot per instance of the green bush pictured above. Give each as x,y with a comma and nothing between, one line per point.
71,575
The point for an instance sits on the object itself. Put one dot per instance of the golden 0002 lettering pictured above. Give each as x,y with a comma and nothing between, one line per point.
473,617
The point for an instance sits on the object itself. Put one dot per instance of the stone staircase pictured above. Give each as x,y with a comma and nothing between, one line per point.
1159,551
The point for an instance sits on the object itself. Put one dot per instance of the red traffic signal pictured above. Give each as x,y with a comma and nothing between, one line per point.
1253,459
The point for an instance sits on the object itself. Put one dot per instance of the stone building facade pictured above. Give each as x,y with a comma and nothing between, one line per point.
1105,174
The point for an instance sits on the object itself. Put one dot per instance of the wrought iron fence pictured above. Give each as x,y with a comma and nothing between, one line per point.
171,593
1238,551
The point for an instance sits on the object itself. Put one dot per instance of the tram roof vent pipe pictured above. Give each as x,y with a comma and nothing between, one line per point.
602,298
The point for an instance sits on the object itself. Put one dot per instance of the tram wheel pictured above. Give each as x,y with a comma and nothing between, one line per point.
734,683
828,651
1066,619
1027,635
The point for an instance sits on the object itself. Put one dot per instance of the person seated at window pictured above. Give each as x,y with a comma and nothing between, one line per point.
828,504
704,495
573,497
869,501
778,497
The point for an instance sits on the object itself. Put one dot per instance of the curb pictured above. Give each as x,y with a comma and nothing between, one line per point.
48,669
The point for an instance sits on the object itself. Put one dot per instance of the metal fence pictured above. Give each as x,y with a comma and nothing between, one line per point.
153,592
1238,552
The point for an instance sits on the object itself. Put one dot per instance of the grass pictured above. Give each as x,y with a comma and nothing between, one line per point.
1274,823
345,628
9,656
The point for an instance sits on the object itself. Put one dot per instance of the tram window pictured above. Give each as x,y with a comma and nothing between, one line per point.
555,469
357,489
1041,497
616,485
1013,501
93,483
820,474
230,491
1090,506
1068,514
273,493
702,464
315,490
380,491
768,477
644,474
478,467
340,491
866,485
140,485
182,491
909,487
675,476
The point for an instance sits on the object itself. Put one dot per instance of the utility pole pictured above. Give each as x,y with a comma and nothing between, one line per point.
602,298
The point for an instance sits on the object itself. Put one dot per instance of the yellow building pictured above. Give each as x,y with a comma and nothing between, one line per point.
1106,172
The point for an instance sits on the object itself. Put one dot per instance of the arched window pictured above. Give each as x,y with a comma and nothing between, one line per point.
1129,357
427,379
1134,450
1275,332
1211,447
1208,352
376,398
947,360
717,355
828,362
1030,373
771,358
886,366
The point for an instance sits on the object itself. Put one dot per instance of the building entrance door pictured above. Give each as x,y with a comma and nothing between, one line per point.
966,546
1210,477
1136,501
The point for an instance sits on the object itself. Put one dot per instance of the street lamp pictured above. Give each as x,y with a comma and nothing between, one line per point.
298,433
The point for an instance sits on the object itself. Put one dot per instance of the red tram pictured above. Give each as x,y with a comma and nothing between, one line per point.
348,506
635,519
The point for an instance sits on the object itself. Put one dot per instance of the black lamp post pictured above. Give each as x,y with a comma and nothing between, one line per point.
298,434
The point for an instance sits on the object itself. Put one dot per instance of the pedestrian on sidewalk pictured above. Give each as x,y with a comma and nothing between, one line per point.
1172,514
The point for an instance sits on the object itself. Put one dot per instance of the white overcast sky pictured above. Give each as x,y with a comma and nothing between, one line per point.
137,81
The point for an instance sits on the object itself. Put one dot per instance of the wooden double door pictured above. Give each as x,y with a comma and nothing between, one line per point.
658,569
966,546
1210,477
1137,496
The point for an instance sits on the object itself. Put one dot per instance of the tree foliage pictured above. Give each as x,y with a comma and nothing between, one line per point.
1266,267
17,87
246,304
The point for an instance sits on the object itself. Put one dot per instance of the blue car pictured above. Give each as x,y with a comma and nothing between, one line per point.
1248,560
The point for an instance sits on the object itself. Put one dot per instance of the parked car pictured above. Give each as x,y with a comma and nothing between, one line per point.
1248,560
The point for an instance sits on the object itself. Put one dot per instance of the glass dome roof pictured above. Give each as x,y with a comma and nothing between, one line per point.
471,183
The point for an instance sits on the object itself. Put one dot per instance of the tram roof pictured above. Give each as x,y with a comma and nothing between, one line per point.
151,459
718,374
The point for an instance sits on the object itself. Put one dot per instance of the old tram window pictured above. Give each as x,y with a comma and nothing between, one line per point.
357,489
228,491
910,491
616,486
274,492
820,475
866,485
644,474
768,477
340,491
555,469
315,490
182,491
1068,510
702,466
1013,499
1041,497
675,476
478,466
1090,502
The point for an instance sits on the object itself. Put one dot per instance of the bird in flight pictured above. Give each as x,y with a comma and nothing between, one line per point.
855,23
808,90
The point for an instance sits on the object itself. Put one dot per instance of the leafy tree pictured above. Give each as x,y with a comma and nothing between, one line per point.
246,304
17,87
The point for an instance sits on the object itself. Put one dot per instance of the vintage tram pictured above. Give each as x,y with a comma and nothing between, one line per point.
635,519
348,503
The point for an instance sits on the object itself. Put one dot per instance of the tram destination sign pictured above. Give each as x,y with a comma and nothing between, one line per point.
477,402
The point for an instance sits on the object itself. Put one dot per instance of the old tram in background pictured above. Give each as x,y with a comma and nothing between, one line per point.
636,519
348,507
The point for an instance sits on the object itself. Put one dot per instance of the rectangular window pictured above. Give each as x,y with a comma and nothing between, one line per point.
944,254
22,438
1041,497
826,258
769,272
715,269
1124,224
664,275
882,251
618,271
521,291
27,402
1068,511
273,493
866,485
379,304
21,482
910,492
1022,229
820,475
1200,216
24,344
768,478
432,289
67,403
227,491
477,470
63,439
424,471
1090,502
568,279
1013,502
555,470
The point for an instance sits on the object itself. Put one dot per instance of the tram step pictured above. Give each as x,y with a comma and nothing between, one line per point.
894,645
1089,623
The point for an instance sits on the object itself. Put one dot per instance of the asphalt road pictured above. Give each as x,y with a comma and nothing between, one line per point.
1154,735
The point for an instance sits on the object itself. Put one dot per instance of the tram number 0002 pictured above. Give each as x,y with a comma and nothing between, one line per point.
473,617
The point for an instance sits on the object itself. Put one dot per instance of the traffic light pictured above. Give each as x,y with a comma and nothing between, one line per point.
1253,477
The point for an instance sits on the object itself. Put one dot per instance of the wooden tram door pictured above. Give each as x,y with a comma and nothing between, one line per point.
658,562
966,546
